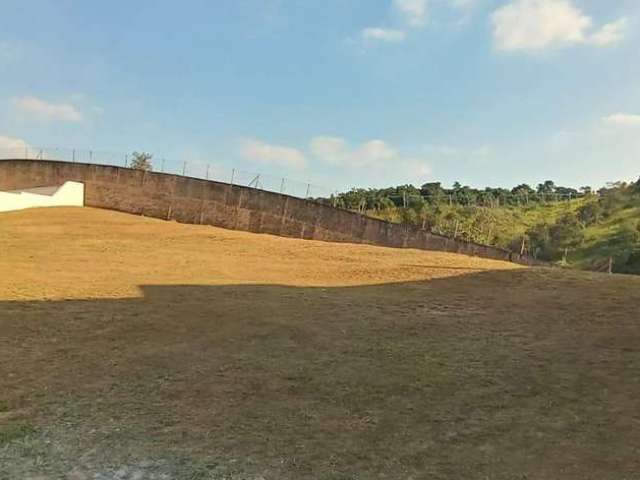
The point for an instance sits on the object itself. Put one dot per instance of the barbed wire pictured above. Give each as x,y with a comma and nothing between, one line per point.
258,180
194,169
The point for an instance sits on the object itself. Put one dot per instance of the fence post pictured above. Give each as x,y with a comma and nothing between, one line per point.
308,189
282,185
610,265
208,171
73,155
233,174
126,160
184,168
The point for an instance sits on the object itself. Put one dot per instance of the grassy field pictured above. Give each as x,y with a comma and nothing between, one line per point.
135,349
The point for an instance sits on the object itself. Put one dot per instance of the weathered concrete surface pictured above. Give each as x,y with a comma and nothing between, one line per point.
192,200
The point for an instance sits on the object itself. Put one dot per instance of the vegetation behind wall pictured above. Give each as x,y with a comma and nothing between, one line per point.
576,227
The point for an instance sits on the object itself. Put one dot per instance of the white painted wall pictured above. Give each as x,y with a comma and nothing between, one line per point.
70,194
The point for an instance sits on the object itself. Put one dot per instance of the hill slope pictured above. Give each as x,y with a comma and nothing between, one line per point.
585,232
189,352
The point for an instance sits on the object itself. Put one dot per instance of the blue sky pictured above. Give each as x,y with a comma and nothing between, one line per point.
339,92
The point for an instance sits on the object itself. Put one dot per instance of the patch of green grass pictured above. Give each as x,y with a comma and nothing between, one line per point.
14,432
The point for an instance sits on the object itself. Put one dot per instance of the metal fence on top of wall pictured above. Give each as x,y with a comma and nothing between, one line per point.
195,169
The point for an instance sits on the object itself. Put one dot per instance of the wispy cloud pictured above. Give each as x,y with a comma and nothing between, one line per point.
12,147
41,109
610,34
382,35
414,11
536,25
622,120
373,158
267,154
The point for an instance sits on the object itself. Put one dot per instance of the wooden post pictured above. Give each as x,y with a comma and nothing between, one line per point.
522,247
610,265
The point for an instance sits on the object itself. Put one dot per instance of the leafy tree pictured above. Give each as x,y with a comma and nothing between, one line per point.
550,242
547,187
566,192
632,264
540,241
589,213
433,192
141,161
566,232
523,189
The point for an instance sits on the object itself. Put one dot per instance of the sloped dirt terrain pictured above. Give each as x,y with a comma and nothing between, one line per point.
132,348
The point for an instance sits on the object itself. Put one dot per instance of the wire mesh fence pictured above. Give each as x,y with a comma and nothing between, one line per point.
194,169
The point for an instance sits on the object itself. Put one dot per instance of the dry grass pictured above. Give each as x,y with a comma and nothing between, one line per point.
195,352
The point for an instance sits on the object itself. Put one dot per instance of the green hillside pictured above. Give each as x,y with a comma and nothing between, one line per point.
576,228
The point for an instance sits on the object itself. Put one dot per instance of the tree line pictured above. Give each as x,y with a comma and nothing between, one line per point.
548,222
433,193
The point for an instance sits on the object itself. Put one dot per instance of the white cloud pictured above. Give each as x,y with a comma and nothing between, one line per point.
277,155
610,34
374,158
47,111
383,34
371,162
413,11
12,147
337,151
534,25
443,150
623,120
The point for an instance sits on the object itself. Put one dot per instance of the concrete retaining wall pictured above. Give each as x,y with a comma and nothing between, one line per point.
192,200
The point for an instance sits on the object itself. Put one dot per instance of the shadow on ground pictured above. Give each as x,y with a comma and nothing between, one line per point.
512,374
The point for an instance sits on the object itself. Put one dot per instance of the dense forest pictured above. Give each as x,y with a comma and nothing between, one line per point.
575,227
